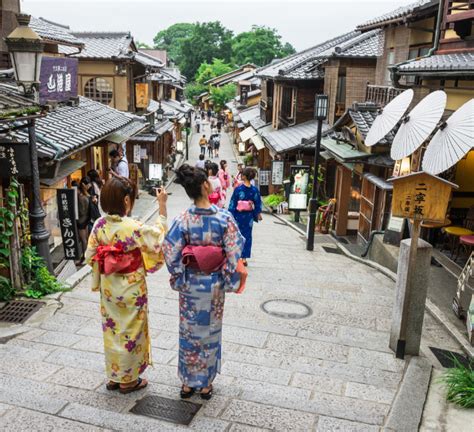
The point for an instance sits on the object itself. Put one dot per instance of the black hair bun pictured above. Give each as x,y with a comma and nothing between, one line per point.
185,175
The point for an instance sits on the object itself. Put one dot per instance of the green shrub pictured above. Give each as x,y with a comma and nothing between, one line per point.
459,382
6,289
273,200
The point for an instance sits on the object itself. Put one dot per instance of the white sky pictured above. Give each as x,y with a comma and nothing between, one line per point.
302,23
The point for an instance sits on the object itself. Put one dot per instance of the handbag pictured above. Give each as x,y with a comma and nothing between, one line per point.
243,273
245,206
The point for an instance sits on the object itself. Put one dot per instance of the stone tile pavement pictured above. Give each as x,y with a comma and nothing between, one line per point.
330,371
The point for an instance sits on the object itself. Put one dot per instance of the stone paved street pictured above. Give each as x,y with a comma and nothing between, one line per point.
329,371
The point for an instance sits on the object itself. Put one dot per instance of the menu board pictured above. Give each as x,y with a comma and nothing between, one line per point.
278,169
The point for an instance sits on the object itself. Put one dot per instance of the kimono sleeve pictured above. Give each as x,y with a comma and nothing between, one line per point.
257,200
150,239
233,243
233,203
91,250
173,246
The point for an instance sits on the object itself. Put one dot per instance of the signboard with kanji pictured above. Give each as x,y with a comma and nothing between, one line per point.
278,170
67,222
141,95
421,196
14,159
58,79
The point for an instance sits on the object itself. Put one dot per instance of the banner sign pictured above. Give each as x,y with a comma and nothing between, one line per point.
67,222
299,187
278,168
15,160
58,79
141,95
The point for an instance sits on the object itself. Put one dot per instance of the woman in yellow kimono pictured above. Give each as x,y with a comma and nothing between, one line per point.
121,252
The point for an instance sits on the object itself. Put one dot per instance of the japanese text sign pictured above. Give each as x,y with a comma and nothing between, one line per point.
67,222
278,168
421,196
141,93
58,79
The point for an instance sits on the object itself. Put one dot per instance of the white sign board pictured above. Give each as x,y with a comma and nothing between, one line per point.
264,178
298,202
278,168
156,171
136,154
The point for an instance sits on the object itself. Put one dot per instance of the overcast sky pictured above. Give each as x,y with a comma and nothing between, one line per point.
302,23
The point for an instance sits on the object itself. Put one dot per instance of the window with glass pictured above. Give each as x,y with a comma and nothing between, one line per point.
99,89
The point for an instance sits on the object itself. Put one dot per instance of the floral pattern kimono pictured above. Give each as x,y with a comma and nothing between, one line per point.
202,296
245,220
123,296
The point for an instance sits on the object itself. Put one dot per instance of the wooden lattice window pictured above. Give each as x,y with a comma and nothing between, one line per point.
99,89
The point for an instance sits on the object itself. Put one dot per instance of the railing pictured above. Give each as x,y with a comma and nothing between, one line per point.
463,280
381,95
459,11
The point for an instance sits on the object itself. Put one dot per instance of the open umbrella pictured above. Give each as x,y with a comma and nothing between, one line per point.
454,139
389,117
417,126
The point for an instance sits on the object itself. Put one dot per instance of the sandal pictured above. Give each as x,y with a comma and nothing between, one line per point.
112,386
141,384
186,394
208,394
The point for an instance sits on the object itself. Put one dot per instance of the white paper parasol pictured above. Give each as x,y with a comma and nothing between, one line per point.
452,142
389,117
418,125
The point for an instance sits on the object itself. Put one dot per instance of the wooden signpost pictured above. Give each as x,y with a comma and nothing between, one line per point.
420,197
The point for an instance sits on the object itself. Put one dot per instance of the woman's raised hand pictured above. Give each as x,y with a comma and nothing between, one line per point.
162,198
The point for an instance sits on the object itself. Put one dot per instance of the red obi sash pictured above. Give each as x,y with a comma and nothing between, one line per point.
208,259
113,259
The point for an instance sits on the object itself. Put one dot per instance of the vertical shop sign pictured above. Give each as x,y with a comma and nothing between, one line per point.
58,79
67,222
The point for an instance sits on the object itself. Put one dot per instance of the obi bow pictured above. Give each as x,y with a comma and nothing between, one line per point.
113,259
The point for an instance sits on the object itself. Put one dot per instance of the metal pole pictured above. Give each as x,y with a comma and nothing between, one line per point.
187,138
39,233
313,202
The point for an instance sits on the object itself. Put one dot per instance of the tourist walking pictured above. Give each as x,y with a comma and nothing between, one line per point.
118,164
216,144
224,177
210,147
97,184
246,207
201,163
217,195
198,124
203,144
121,252
201,287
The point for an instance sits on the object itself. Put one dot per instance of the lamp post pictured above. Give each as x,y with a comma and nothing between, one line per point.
159,113
320,114
26,51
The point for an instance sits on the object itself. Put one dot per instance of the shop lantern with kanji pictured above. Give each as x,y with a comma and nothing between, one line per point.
421,196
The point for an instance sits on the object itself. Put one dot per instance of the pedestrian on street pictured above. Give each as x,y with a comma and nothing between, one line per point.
210,147
201,289
224,177
246,206
84,200
237,180
201,163
198,124
216,144
203,144
118,164
121,252
217,196
209,114
97,184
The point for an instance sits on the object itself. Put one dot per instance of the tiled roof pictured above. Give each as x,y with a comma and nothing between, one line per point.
13,104
290,138
53,32
227,77
160,55
250,113
163,127
257,123
398,14
103,45
147,60
252,93
306,64
455,62
69,128
168,75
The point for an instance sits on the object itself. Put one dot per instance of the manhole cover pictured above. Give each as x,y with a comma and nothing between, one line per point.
175,411
17,312
289,309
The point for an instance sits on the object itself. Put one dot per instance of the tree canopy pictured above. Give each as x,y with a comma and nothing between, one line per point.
260,46
208,41
221,95
208,71
171,39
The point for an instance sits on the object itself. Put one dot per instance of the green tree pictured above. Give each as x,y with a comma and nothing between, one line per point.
208,71
142,45
221,95
171,39
260,46
208,40
193,90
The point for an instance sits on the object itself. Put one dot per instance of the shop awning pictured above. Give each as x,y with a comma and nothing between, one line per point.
66,168
342,151
258,142
247,133
123,134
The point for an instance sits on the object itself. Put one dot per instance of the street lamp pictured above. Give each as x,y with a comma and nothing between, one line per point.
26,49
159,113
26,52
320,114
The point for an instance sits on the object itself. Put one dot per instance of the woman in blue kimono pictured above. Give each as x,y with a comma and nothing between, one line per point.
201,294
246,206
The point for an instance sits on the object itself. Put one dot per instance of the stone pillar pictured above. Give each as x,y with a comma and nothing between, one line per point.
417,296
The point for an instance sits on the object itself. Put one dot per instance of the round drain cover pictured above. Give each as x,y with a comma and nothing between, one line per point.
289,309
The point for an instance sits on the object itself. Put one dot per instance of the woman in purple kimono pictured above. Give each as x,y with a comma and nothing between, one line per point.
201,294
